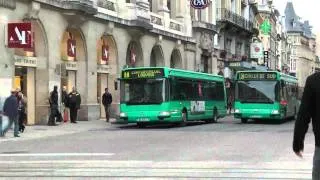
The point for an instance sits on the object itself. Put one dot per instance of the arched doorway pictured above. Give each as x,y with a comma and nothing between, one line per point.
156,58
176,60
107,57
73,58
30,72
134,55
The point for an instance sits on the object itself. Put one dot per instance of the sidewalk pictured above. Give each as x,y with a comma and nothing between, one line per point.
42,131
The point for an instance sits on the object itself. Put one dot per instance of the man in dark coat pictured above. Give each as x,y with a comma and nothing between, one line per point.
309,109
53,100
106,101
10,109
74,101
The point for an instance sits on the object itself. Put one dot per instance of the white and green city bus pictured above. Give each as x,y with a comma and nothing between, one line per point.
268,95
163,95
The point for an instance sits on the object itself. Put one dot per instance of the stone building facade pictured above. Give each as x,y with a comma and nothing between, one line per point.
303,59
85,44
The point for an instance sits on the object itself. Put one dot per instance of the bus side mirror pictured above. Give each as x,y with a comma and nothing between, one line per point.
115,85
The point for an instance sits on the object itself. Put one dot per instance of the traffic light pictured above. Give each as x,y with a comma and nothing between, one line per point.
266,57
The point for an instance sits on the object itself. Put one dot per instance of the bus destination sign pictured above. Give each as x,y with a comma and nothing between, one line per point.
143,73
259,76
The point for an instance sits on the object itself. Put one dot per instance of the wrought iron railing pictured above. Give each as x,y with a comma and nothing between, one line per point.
224,14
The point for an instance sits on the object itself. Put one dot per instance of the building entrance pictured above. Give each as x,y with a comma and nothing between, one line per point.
24,80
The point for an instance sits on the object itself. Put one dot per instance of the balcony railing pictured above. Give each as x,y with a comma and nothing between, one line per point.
175,25
224,14
156,19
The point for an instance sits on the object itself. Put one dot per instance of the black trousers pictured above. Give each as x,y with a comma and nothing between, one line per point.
73,114
22,117
53,115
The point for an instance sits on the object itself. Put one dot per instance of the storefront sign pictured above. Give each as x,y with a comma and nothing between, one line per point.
103,69
143,73
235,64
72,66
71,48
25,61
257,76
199,4
19,35
105,53
256,50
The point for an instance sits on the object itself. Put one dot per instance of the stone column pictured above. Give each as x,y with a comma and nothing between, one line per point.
163,8
31,95
214,63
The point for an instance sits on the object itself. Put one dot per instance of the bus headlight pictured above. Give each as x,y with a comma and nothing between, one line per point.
123,115
275,112
164,114
236,111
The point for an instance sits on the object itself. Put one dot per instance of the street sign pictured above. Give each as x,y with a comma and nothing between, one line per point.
256,50
19,35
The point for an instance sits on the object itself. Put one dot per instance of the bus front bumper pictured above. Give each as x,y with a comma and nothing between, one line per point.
148,117
262,114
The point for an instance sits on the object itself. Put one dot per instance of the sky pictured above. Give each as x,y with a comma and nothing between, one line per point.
306,9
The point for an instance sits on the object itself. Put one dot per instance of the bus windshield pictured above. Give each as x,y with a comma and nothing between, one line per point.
142,91
257,91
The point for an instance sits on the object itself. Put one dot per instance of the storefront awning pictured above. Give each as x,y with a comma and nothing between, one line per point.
244,65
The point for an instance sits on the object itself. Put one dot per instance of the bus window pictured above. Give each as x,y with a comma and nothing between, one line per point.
143,91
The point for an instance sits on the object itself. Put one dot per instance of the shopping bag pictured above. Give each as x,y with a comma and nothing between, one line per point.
65,116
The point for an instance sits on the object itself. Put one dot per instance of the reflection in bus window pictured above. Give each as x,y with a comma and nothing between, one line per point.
257,91
143,91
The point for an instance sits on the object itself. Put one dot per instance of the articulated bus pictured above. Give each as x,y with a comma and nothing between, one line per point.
159,94
265,95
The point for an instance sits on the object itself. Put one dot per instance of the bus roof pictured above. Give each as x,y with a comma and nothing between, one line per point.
182,73
281,75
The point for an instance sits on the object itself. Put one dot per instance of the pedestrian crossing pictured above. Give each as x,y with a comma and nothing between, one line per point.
156,170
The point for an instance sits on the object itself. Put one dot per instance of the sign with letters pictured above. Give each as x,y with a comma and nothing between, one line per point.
143,73
25,61
19,35
257,76
199,4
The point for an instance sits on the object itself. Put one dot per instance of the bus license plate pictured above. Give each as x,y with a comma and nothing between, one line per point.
255,116
143,119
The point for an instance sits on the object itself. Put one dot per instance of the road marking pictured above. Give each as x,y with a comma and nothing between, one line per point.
55,154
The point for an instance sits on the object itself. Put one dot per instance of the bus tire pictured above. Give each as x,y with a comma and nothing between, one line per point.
141,125
184,118
244,120
215,116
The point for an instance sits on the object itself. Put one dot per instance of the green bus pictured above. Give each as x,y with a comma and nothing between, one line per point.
265,95
152,95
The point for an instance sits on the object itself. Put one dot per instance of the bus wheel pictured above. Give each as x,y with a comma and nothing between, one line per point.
215,116
141,125
184,118
243,120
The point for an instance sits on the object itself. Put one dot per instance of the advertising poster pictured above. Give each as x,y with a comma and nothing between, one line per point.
197,106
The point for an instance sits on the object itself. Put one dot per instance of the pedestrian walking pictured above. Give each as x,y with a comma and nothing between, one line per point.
106,101
54,111
22,111
10,109
309,109
74,101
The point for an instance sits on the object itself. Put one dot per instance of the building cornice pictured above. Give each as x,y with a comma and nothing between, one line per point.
11,4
